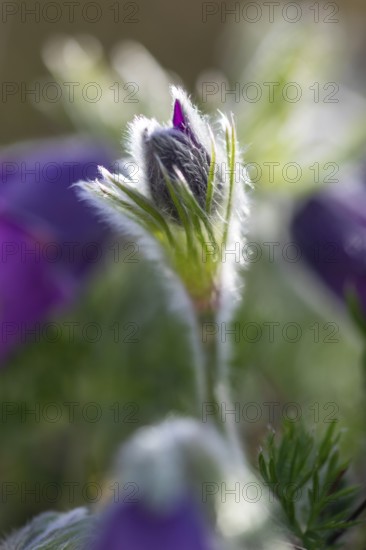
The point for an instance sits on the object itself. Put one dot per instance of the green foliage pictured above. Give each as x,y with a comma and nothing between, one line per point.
307,478
123,375
355,309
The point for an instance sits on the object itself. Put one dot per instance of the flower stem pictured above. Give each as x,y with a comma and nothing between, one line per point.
218,391
209,342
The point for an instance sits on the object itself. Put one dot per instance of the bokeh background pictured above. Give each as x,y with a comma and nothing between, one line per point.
137,367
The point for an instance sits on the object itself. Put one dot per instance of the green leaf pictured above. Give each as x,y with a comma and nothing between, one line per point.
210,179
231,156
355,308
263,467
296,457
146,206
182,212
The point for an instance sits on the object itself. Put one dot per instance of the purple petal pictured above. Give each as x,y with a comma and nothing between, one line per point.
331,230
133,526
49,238
29,286
182,124
179,119
36,189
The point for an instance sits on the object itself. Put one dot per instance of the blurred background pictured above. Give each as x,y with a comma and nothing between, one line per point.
89,348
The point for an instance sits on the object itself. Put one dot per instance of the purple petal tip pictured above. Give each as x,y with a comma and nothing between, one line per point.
179,120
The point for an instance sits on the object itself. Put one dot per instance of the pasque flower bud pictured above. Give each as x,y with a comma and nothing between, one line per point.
168,151
177,201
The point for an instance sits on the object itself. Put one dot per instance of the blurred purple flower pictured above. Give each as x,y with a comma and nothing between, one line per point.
330,229
134,526
49,239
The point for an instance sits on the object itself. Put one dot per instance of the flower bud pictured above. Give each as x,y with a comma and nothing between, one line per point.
163,464
187,195
170,151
